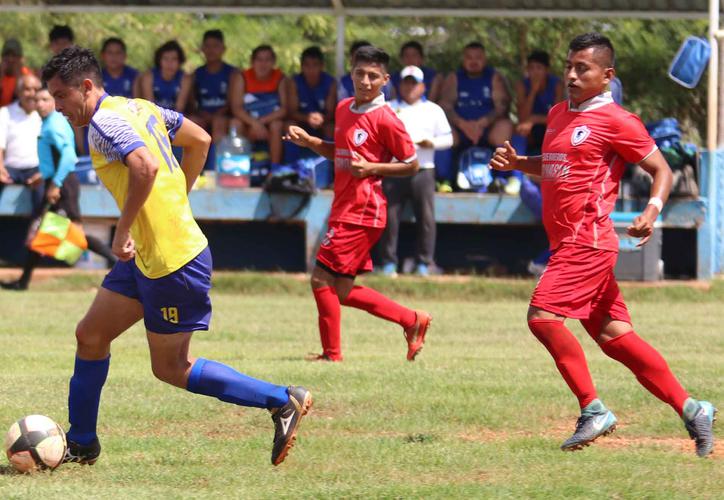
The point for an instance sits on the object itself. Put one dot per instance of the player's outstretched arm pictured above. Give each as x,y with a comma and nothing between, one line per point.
643,225
300,137
195,142
505,158
142,170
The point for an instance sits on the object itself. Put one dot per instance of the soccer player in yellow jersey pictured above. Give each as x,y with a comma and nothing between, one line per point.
163,275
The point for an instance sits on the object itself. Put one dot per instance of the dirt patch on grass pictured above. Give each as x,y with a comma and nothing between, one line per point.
614,441
682,445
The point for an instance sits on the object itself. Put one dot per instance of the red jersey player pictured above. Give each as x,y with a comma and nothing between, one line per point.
368,137
587,143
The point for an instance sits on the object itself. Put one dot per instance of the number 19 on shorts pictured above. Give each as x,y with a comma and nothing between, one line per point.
170,314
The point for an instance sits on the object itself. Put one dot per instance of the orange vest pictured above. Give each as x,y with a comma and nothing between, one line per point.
9,82
255,86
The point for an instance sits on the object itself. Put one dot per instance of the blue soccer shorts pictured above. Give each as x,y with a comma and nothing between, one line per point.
178,302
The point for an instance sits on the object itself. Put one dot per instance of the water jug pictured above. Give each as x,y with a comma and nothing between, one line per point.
233,161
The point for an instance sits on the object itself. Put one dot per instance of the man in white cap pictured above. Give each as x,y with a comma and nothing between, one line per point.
429,129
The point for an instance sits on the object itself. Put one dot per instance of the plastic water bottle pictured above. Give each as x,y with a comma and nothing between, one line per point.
233,161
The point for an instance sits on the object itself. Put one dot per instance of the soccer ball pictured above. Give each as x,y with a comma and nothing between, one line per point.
35,442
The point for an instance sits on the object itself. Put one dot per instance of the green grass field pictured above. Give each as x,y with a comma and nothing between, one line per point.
480,414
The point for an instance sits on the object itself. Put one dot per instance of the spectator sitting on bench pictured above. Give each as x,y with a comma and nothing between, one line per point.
119,79
535,96
210,85
60,37
313,95
259,101
476,100
167,84
19,131
11,67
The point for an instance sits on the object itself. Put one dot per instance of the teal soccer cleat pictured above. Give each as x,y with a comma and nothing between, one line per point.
700,425
595,421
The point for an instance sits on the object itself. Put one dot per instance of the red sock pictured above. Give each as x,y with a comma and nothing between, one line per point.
329,321
375,303
568,355
649,367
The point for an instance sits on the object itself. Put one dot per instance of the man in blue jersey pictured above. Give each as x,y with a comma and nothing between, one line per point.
476,100
313,95
535,96
60,37
210,87
164,271
118,78
166,84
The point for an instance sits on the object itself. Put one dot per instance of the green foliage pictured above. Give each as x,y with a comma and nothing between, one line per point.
644,47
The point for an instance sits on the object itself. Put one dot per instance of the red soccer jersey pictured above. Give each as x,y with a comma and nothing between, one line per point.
584,153
374,132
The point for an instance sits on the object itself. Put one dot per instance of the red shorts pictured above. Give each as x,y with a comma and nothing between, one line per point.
345,249
579,283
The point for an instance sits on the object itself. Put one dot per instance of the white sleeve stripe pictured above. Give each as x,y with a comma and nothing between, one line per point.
115,136
102,144
652,152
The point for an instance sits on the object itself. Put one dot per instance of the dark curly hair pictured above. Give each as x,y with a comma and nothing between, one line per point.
72,66
170,46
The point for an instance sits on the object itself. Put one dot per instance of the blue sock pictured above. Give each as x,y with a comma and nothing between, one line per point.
84,397
223,382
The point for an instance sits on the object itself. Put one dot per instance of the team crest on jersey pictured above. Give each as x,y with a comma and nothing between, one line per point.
359,136
579,135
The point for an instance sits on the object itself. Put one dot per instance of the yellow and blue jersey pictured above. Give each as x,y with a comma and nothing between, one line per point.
165,232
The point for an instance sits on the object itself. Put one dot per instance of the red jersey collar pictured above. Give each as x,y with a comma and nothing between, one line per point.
592,103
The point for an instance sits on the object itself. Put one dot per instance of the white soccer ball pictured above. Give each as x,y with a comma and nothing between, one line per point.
35,442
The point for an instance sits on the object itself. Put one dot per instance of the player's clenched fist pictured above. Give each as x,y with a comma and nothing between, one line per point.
642,227
505,158
298,136
360,167
123,246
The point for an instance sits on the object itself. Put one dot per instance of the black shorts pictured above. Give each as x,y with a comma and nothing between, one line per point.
69,202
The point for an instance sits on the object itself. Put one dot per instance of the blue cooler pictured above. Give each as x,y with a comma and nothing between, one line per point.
637,263
85,172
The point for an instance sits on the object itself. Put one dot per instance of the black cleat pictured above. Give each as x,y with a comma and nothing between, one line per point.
17,285
82,454
286,421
